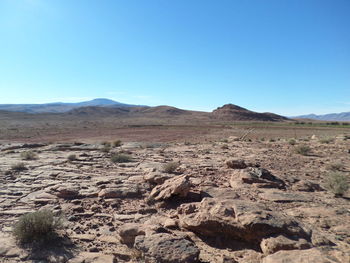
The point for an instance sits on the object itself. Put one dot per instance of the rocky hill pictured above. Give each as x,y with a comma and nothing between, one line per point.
234,112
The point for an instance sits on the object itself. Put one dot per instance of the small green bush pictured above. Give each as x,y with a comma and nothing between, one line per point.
303,150
117,143
292,142
170,167
18,167
29,155
72,157
337,183
121,158
36,226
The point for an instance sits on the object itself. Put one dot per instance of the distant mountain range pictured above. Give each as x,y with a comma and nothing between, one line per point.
110,108
61,107
343,116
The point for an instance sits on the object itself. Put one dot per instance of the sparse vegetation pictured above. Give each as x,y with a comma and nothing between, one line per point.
292,142
28,155
106,148
337,183
72,157
170,167
106,143
327,140
224,147
117,143
36,226
121,158
335,166
18,167
303,150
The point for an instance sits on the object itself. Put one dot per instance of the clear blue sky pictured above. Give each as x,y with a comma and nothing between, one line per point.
284,56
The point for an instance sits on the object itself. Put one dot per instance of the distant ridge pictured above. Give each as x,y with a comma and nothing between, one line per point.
109,108
343,116
61,107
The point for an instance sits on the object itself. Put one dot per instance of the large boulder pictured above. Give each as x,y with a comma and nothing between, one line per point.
177,186
237,219
166,248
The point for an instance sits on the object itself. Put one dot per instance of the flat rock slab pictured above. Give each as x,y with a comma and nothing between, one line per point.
313,255
89,257
219,192
284,197
167,248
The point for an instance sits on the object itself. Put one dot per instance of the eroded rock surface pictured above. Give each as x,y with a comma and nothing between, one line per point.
213,212
237,219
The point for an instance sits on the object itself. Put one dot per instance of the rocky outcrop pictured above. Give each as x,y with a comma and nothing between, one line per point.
237,219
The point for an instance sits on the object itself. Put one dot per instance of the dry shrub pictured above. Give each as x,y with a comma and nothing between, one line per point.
335,167
18,167
337,183
327,140
303,150
117,143
72,157
36,226
121,158
170,167
28,155
292,142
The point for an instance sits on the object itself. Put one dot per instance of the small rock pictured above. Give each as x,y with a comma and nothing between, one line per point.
236,164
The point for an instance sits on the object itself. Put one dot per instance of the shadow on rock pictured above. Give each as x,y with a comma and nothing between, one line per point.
55,249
